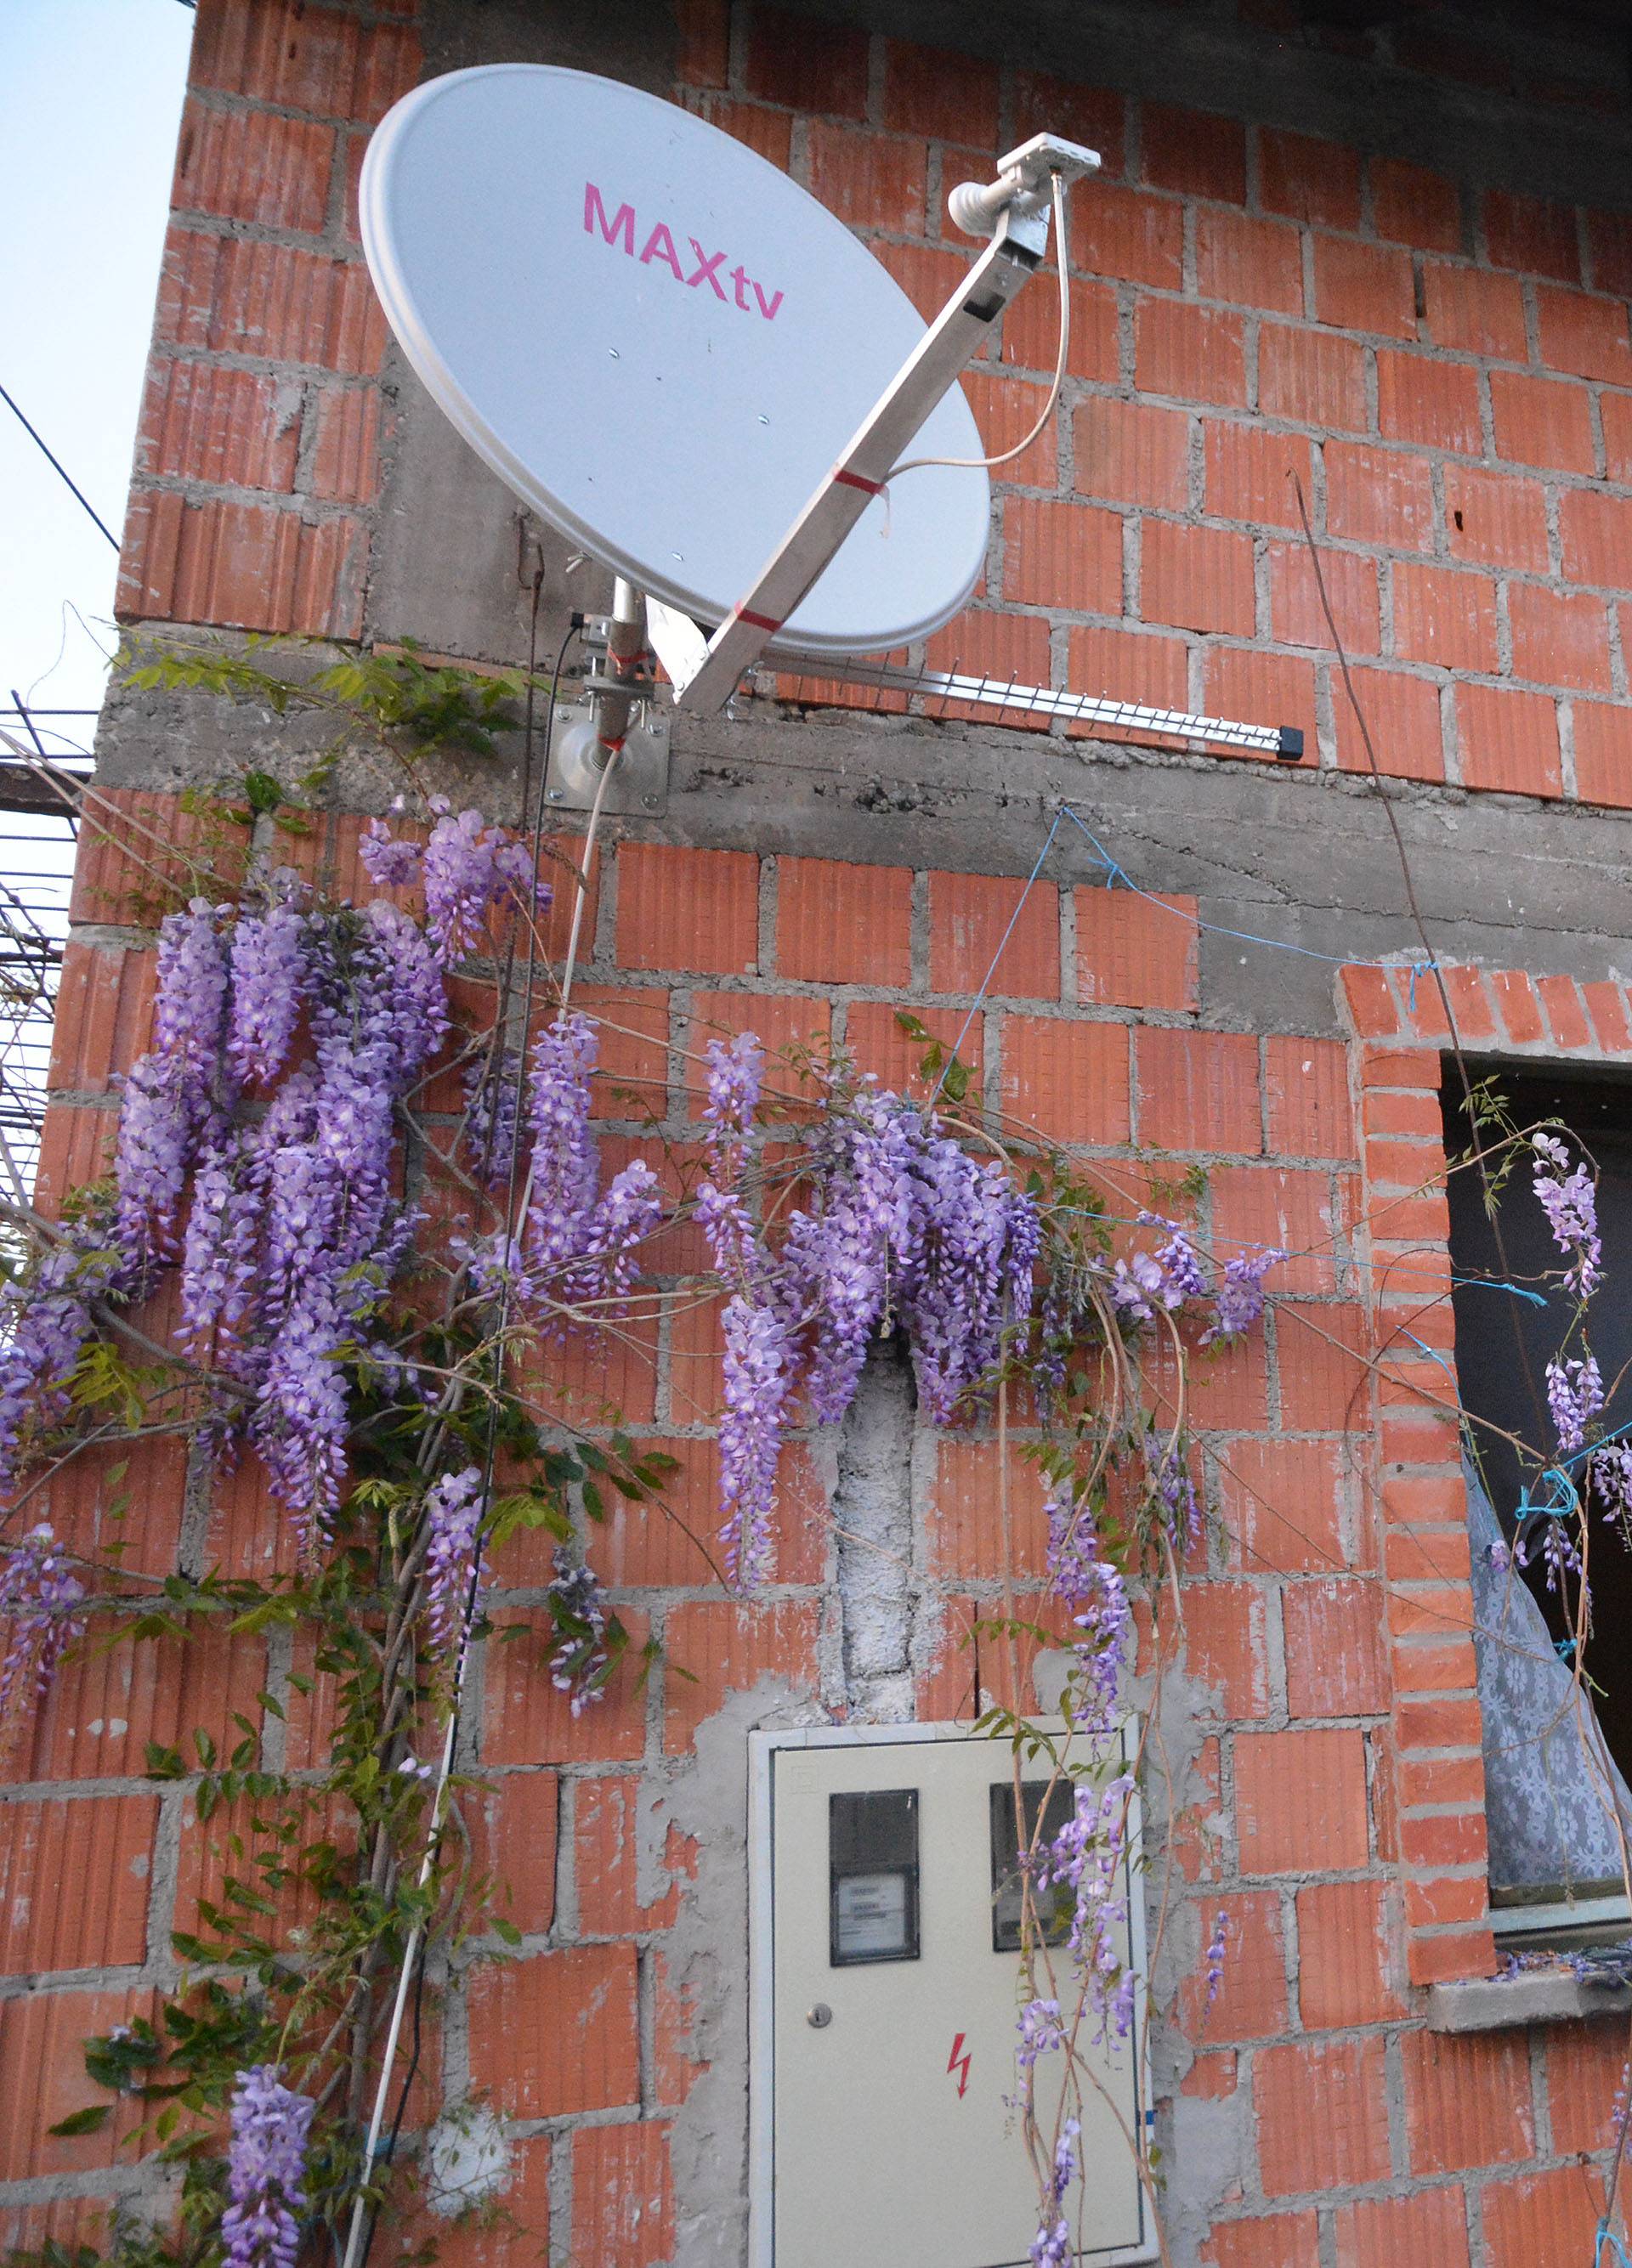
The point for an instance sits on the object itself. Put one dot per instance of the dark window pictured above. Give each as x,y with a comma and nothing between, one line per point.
1054,1906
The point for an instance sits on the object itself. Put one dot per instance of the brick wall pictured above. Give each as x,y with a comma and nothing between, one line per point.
1446,367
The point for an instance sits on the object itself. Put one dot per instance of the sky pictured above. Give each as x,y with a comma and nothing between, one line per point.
90,99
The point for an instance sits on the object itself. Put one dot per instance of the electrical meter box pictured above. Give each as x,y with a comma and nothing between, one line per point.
885,1987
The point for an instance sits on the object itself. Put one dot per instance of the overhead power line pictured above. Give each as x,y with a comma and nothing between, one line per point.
58,467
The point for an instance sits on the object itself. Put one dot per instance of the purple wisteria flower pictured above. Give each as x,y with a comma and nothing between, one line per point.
493,1127
1086,1857
581,1656
268,979
1574,1394
1239,1301
44,1326
1041,2031
1163,1278
41,1602
454,1585
1569,1198
1610,1473
1216,1954
759,1377
1051,2246
175,1096
1079,1573
391,862
265,2169
579,1245
467,868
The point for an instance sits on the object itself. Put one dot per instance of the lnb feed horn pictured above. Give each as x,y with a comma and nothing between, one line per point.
1024,183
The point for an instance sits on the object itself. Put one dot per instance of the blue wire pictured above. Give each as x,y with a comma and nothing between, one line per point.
1606,2235
986,982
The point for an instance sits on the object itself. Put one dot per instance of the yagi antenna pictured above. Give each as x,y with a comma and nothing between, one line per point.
694,371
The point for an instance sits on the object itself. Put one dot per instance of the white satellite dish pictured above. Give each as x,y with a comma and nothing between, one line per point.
662,345
691,368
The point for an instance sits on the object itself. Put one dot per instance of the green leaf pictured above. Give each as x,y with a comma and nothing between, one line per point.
263,791
83,2121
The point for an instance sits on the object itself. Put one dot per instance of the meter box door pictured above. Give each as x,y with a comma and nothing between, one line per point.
886,1982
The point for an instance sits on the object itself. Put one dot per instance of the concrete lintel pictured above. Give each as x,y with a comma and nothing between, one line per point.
1548,1996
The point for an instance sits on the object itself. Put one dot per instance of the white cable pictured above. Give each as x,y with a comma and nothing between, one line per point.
981,464
583,892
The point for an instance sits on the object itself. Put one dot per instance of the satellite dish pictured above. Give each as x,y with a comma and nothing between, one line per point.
662,345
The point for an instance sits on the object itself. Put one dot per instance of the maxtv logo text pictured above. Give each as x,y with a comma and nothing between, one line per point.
660,250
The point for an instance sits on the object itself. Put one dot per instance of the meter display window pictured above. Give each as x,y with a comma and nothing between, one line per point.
1053,1906
873,1876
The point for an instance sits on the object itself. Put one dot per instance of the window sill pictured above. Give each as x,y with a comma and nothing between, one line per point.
1491,2004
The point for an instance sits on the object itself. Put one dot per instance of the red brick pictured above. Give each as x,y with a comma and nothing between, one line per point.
1251,1996
1322,2120
1128,236
1560,638
345,453
1383,2232
875,1039
249,165
42,2079
239,295
1609,249
968,917
121,1502
1062,556
1607,1005
1542,421
926,273
1603,734
1089,115
1195,152
1273,687
1254,264
1126,666
769,132
1435,403
1415,206
1402,719
1032,333
1363,287
1467,2099
1495,519
304,58
528,1722
1457,1899
1300,1800
1011,649
1067,1078
1445,617
622,2199
1296,609
1133,453
1379,496
1616,413
1251,474
1196,578
1584,2067
703,43
1543,2217
1212,2077
843,924
1006,410
244,565
1562,999
1596,533
1474,312
1449,1954
514,1819
606,1858
76,1146
1136,951
687,909
1195,354
1226,1650
1584,335
104,1016
1310,1114
1309,179
872,180
104,1707
729,1648
1271,2239
103,1848
231,427
805,64
1335,1655
1280,1504
556,2032
1538,239
1198,1090
1312,377
937,92
1345,1958
1258,1205
1507,740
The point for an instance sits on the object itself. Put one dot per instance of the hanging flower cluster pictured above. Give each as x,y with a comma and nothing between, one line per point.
42,1601
265,2170
454,1585
581,1656
1569,1198
1086,1858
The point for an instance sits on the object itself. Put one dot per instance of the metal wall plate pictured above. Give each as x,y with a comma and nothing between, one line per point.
638,786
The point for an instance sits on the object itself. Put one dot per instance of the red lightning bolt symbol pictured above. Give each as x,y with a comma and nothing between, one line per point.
960,2064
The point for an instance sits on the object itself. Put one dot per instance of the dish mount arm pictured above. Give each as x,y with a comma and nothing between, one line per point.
1015,210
